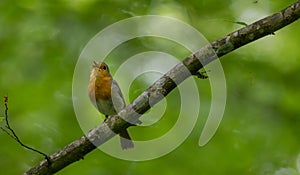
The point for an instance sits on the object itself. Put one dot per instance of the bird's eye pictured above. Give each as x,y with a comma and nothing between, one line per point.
104,68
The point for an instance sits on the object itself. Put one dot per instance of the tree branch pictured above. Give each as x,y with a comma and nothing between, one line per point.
189,66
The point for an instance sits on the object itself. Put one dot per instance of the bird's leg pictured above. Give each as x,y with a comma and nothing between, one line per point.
106,117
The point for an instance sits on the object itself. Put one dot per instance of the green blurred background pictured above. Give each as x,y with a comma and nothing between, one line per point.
40,42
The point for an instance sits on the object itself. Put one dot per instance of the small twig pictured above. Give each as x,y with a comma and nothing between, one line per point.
8,133
14,135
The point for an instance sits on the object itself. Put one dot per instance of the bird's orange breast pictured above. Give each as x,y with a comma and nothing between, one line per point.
103,88
100,88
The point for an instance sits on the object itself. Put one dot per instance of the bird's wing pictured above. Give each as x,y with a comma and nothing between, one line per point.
117,96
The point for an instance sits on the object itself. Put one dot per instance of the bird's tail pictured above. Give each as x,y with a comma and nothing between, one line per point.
126,142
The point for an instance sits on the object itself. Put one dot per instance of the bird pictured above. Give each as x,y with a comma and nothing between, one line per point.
105,94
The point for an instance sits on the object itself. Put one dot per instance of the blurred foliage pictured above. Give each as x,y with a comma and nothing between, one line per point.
40,42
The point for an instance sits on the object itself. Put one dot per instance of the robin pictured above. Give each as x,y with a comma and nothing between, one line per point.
106,96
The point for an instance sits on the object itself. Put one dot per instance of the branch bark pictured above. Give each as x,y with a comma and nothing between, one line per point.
189,66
